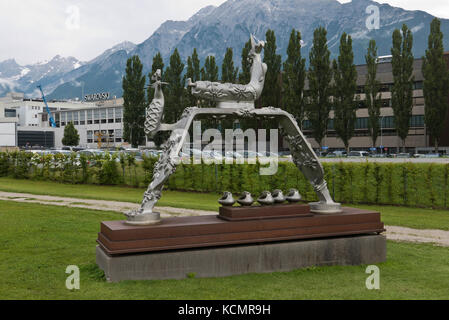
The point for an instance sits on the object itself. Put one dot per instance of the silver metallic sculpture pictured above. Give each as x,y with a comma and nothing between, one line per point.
230,95
233,101
155,110
245,199
265,198
278,196
293,196
227,200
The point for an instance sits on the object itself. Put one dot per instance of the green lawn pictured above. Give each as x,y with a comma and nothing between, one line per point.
391,215
38,242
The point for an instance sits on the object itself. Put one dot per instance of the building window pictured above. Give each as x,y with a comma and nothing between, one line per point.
306,125
417,121
118,135
419,85
118,115
110,115
10,113
361,123
96,116
103,115
387,122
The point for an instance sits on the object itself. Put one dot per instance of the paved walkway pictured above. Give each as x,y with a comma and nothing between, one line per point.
438,237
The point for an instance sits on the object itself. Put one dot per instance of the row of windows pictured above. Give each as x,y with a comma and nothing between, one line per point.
91,116
105,135
388,87
416,121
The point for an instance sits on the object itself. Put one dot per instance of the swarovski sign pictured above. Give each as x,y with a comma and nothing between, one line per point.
97,96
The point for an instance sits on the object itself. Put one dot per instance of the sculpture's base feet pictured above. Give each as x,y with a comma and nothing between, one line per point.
145,219
325,208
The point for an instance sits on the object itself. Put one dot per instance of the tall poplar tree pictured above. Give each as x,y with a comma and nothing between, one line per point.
228,72
193,72
402,92
372,91
319,76
175,101
245,75
209,73
271,94
210,70
134,103
436,84
294,78
345,86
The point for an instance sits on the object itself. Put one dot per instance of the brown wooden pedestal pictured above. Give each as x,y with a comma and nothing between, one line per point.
236,226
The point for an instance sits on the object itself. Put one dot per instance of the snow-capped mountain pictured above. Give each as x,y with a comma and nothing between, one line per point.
213,29
26,78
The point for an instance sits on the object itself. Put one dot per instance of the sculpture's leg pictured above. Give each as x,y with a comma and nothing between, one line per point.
306,160
163,169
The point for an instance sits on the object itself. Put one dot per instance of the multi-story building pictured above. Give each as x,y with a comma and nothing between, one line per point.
25,113
417,140
102,122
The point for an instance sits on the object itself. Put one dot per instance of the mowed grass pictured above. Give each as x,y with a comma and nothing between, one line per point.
417,218
38,242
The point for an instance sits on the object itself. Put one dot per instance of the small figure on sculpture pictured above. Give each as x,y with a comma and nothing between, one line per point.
155,110
230,95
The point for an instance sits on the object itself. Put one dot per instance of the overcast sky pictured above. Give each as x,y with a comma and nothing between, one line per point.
32,31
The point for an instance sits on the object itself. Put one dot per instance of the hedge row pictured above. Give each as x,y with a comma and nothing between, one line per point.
409,184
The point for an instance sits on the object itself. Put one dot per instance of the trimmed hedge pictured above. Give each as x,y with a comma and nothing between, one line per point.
405,184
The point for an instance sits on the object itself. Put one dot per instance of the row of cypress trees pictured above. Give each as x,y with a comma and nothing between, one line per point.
331,84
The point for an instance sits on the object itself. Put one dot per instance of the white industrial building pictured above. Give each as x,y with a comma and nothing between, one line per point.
103,121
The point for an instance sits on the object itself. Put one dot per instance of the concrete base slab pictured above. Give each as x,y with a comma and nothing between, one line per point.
227,261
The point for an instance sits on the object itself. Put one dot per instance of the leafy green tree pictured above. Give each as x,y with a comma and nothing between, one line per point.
245,75
436,83
228,72
402,92
294,78
372,91
271,94
319,76
158,63
134,102
71,136
345,86
175,100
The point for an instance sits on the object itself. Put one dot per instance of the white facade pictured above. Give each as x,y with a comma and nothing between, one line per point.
28,110
106,119
8,134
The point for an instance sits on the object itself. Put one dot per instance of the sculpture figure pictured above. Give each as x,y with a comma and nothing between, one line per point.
230,95
234,100
155,110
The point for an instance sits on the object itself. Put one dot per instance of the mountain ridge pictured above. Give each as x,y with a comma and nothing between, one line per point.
212,29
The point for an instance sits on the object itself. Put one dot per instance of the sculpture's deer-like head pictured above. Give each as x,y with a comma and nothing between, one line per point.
256,49
258,68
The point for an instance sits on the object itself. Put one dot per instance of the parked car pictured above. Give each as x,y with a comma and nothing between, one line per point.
359,154
432,155
403,155
378,155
